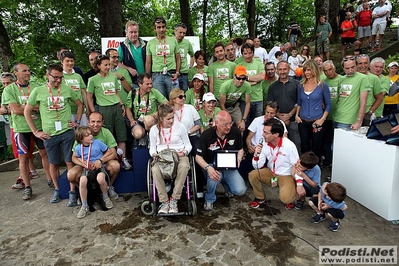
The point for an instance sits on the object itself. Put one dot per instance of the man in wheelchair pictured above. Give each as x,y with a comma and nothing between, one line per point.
169,138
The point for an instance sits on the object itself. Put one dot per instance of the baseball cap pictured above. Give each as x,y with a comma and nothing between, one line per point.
240,71
208,97
393,64
198,76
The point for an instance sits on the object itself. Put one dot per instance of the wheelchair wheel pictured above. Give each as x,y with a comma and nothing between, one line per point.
194,208
148,207
149,181
193,181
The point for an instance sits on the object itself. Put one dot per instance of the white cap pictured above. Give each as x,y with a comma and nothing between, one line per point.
198,76
393,64
208,97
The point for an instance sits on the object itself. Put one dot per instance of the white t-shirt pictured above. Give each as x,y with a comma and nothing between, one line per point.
257,127
187,115
261,53
379,10
283,157
273,51
178,141
294,63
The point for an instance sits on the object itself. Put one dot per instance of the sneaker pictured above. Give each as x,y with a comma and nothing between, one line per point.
27,193
173,206
126,164
377,43
334,226
82,212
318,218
50,184
200,195
108,203
72,202
299,205
34,174
378,48
208,206
256,202
290,206
371,50
112,194
228,194
164,208
56,196
19,184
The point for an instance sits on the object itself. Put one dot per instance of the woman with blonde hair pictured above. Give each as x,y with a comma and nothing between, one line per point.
314,104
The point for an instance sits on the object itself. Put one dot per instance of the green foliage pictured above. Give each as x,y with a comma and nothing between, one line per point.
391,58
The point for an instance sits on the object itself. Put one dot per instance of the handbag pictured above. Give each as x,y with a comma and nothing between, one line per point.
167,160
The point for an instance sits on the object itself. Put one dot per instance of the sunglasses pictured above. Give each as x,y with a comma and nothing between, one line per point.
6,75
102,56
114,57
181,97
160,20
348,58
238,78
55,77
305,49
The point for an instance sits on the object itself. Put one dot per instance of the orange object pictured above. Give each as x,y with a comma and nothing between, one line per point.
298,71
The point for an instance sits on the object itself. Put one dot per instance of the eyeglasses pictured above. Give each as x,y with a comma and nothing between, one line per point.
181,97
55,77
241,79
229,124
114,57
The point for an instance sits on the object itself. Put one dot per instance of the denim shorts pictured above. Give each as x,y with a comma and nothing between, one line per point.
60,143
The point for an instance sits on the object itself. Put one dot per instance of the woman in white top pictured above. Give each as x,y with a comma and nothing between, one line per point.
169,134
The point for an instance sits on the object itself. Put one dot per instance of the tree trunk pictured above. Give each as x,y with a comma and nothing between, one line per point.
204,14
332,15
321,8
229,20
185,16
110,16
251,10
5,48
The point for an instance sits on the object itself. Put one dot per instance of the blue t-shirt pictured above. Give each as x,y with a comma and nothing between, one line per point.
314,175
330,202
98,148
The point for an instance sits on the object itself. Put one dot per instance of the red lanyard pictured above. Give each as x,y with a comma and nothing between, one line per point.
22,91
179,118
275,156
167,141
163,50
203,69
197,101
220,143
55,101
88,155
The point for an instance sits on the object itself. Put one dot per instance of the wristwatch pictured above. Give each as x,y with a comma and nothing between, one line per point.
122,79
206,167
77,122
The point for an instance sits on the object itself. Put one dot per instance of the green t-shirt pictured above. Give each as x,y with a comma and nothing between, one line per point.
121,91
253,69
265,88
220,72
49,111
233,93
205,119
385,85
13,94
325,29
347,107
185,47
105,89
194,70
139,106
76,83
157,49
375,85
105,136
194,98
136,54
333,85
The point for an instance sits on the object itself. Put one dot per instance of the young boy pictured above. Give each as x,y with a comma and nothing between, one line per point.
293,60
331,201
88,154
307,174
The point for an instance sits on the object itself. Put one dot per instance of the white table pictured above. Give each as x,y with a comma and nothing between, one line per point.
369,169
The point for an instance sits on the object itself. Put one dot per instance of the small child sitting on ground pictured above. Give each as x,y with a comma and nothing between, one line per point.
331,201
307,174
88,154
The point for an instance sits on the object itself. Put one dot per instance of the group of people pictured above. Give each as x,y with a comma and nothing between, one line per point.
148,91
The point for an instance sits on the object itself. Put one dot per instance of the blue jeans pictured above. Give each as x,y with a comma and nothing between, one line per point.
310,139
231,179
163,83
346,127
255,110
293,135
60,143
183,82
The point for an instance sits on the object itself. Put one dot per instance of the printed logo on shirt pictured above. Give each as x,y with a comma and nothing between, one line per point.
108,88
231,142
22,99
73,83
346,90
182,53
222,73
235,96
333,92
251,73
60,103
162,50
214,147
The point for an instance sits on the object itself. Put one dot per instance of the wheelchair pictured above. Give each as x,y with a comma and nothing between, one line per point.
189,192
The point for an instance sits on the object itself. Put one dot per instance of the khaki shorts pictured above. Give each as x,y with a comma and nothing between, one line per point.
235,112
324,46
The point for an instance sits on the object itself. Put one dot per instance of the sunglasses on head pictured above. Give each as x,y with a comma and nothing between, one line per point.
181,97
348,58
238,78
